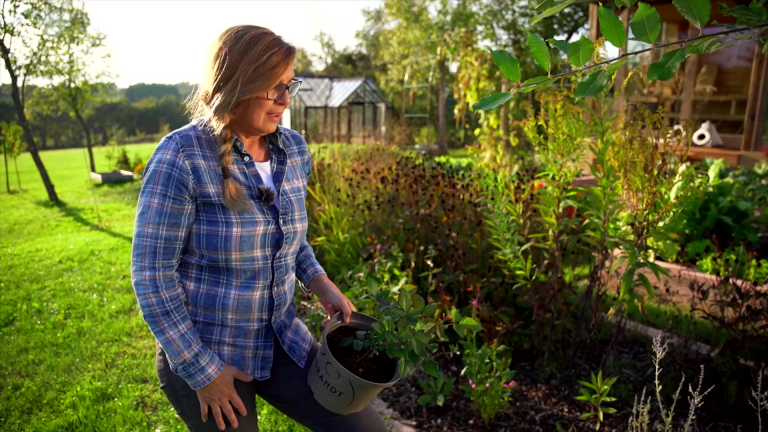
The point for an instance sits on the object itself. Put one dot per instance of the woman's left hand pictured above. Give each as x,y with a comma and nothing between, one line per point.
331,298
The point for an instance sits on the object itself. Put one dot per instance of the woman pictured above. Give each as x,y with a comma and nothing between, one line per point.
219,241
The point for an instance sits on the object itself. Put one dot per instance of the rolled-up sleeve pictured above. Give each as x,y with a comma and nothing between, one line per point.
307,266
164,216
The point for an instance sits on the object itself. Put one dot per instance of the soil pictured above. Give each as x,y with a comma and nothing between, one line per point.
537,405
377,368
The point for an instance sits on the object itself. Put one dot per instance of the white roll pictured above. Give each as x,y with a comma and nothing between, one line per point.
701,137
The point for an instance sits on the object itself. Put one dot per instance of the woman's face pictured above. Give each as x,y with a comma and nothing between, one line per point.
261,116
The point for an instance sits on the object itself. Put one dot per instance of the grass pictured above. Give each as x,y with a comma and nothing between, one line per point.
77,355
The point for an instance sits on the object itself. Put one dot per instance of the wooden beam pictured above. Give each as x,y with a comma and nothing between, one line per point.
754,89
689,82
363,126
325,124
349,124
306,124
760,110
594,26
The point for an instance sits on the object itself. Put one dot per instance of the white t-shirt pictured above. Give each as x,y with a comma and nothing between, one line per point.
265,171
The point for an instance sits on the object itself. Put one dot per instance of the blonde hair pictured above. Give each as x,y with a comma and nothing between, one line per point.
244,62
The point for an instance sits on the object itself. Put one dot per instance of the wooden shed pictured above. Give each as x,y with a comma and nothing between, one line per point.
727,87
332,109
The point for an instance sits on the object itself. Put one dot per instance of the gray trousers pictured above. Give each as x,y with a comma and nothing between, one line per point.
286,389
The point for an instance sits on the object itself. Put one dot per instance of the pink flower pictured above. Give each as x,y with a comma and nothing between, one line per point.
474,302
474,386
510,385
471,422
471,382
375,260
378,246
487,386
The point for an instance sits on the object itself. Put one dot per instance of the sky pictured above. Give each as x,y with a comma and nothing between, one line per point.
167,41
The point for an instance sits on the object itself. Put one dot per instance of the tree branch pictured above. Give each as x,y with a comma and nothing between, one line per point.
634,53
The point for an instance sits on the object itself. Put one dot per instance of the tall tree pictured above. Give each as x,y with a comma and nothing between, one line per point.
303,63
72,72
31,31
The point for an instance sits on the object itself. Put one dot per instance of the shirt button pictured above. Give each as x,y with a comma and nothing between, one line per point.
247,158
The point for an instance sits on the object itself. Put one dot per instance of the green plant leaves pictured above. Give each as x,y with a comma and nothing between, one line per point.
431,368
508,65
612,27
666,67
646,24
429,310
695,11
551,11
417,302
559,44
541,5
404,300
699,47
425,399
647,284
594,84
540,51
580,52
613,67
625,3
492,101
535,83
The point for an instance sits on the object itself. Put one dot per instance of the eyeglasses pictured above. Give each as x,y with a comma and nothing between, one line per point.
278,90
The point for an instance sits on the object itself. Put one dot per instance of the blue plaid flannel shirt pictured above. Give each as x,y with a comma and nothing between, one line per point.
215,285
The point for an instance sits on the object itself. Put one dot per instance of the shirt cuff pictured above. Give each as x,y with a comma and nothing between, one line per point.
201,370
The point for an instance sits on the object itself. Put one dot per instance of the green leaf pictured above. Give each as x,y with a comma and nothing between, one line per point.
699,47
358,344
586,415
492,101
559,44
613,67
460,330
425,400
551,11
431,368
378,327
609,410
429,310
538,85
612,27
508,65
471,324
405,300
422,337
541,5
455,315
361,334
626,284
580,52
625,3
417,302
539,50
666,67
594,84
440,399
647,284
695,11
646,24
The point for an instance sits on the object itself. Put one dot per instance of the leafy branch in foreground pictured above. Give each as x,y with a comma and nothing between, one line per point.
646,27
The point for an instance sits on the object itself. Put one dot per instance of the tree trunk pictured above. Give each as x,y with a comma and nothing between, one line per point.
18,179
504,125
7,174
87,139
6,54
442,139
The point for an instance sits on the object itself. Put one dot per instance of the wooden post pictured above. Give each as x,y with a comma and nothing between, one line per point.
363,123
325,124
671,33
503,124
747,140
621,75
762,103
306,124
689,82
376,127
349,124
594,34
338,124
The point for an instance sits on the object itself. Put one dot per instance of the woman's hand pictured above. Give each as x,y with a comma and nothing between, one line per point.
331,298
221,397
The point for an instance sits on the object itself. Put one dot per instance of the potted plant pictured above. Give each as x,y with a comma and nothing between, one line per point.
358,360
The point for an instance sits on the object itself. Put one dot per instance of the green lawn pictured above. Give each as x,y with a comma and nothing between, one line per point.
76,355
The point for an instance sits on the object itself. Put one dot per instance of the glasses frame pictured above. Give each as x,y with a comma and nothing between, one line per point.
285,88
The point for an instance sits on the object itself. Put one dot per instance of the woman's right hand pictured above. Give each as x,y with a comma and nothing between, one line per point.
220,393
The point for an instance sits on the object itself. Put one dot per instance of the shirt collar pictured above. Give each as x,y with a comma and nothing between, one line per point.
275,137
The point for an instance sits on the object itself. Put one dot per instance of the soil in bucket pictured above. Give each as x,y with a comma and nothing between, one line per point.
378,368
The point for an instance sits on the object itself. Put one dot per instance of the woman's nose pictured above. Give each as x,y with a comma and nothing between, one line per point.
285,99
